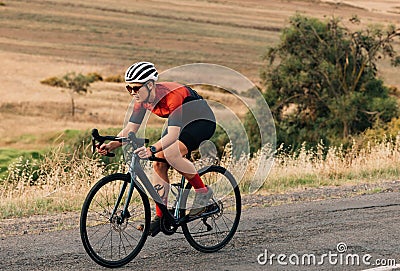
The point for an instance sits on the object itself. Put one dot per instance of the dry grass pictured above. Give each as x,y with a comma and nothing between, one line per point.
169,32
376,162
41,39
61,181
58,183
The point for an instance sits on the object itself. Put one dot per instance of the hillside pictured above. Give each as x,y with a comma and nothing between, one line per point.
41,39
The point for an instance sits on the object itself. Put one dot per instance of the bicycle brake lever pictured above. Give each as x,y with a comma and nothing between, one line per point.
96,137
93,145
110,154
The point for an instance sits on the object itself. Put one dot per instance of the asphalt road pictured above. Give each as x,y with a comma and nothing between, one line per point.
320,235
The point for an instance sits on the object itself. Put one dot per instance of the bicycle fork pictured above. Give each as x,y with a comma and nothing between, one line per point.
124,213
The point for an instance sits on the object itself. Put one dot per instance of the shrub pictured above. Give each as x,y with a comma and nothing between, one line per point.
54,82
115,79
321,81
94,76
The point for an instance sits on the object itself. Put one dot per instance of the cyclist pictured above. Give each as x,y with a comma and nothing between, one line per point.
190,121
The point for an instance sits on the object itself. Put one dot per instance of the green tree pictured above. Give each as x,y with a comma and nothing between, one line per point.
321,81
76,83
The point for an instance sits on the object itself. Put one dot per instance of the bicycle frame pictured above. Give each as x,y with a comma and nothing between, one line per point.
112,241
135,170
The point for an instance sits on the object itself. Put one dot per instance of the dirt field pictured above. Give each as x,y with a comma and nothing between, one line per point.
41,39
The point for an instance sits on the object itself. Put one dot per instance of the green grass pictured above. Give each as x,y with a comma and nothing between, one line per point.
72,139
7,156
284,184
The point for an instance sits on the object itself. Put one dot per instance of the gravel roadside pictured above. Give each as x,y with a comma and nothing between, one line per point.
38,224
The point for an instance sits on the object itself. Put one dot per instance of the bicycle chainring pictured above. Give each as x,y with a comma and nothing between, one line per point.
166,227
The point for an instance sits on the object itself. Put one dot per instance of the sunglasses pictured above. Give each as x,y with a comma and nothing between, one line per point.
133,90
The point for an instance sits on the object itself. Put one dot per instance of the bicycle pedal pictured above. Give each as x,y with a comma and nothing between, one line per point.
153,234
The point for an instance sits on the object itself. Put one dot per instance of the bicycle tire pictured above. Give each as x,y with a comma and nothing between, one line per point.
97,229
224,223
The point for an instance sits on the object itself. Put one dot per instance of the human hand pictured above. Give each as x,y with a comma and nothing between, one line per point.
143,152
104,149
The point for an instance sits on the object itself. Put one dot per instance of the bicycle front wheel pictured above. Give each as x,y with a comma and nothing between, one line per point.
113,240
211,233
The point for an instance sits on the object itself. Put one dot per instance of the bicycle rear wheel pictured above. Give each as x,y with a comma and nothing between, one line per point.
110,240
213,232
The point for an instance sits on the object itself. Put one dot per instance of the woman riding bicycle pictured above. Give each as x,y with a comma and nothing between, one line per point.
190,121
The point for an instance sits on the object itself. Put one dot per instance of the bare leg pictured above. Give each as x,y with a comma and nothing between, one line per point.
175,157
160,179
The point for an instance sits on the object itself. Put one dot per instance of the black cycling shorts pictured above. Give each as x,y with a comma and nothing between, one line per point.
195,132
197,122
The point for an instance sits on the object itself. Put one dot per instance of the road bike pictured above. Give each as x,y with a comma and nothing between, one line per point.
116,213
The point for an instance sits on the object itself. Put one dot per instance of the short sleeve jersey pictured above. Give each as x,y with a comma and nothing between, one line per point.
169,97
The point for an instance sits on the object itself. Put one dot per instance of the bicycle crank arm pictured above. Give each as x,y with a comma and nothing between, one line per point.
187,218
209,228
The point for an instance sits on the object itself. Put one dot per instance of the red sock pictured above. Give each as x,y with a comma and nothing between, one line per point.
158,211
198,184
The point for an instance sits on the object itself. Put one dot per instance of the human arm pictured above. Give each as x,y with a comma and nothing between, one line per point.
166,141
112,145
172,102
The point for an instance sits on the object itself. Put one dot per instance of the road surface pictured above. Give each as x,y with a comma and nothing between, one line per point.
318,235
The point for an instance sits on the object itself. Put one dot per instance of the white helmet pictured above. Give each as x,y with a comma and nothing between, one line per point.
141,72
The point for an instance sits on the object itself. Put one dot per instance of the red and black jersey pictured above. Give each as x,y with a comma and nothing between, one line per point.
170,96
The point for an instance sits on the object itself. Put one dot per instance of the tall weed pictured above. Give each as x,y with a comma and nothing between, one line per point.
334,166
60,180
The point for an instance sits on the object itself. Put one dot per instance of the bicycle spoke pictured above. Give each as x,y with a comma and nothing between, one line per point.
102,207
92,234
219,228
131,236
121,243
110,238
105,239
111,245
100,214
224,218
218,232
103,222
127,240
